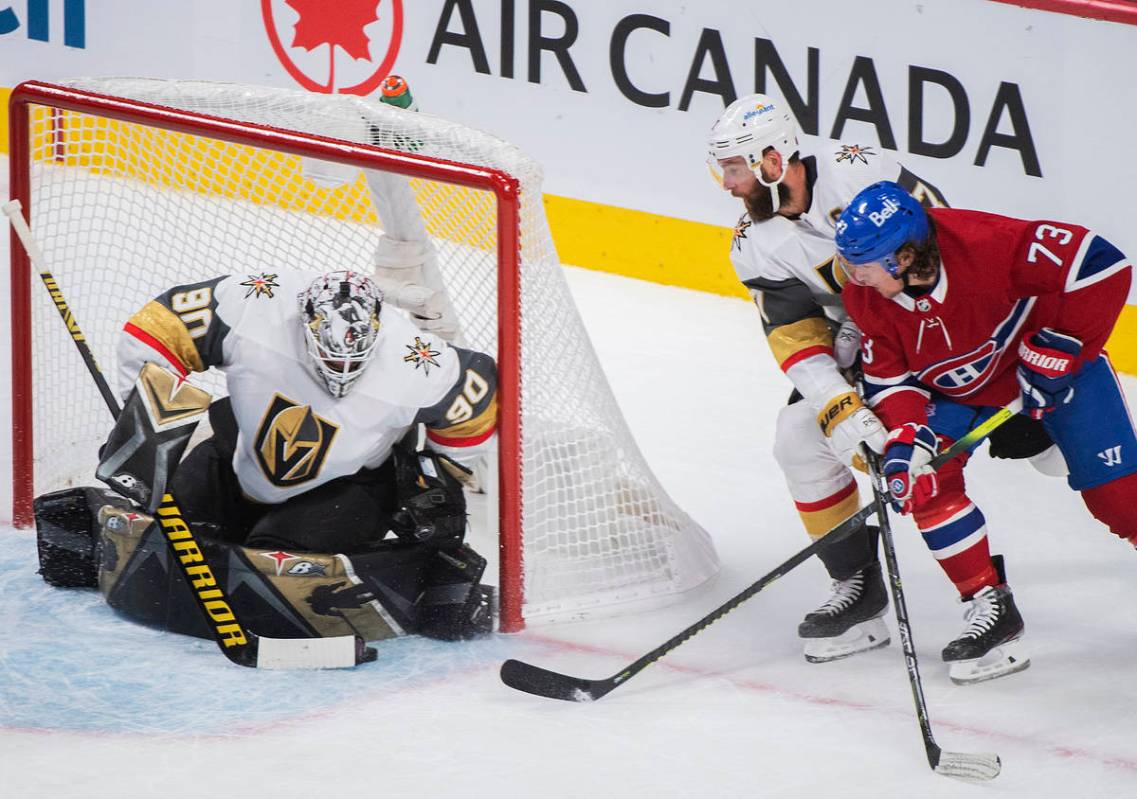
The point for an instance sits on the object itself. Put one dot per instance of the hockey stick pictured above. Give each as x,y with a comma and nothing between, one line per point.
542,682
554,685
978,433
961,765
236,641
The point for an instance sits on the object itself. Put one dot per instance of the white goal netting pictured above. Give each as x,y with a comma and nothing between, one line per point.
127,209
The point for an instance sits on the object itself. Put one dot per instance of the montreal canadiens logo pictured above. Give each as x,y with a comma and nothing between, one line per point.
964,374
335,46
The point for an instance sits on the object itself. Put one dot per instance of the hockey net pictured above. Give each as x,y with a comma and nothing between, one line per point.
136,185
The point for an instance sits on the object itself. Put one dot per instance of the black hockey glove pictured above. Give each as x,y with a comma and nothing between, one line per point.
432,505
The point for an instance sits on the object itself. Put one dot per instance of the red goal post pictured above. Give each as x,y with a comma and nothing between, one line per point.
69,144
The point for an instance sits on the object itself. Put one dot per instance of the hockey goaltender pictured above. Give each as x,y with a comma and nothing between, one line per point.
311,503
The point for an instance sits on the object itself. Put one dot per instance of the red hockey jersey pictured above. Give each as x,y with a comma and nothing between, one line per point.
1000,280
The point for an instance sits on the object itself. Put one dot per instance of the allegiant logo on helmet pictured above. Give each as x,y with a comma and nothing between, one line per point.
757,112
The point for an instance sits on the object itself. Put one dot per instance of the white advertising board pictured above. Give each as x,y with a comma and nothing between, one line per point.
1023,112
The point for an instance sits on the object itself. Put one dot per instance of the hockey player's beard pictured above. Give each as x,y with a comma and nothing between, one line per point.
759,204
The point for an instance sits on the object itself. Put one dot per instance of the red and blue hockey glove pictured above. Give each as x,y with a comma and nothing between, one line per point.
1047,363
907,453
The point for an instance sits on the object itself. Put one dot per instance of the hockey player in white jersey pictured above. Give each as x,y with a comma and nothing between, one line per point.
783,252
324,382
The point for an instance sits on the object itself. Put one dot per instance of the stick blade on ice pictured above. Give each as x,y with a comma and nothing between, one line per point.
969,767
542,682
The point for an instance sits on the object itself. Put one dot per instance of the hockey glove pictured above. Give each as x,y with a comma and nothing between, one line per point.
432,505
907,453
1047,364
847,423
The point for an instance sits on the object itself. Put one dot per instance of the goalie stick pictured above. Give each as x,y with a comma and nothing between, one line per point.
553,685
960,765
239,644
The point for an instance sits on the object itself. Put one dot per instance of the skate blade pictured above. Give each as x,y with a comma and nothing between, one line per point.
863,637
1002,661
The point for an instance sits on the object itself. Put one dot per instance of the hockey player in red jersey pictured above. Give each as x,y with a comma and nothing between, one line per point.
783,253
962,312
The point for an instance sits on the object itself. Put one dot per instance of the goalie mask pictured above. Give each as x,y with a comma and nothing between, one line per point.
341,326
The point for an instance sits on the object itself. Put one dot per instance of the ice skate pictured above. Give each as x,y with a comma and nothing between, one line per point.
991,645
850,620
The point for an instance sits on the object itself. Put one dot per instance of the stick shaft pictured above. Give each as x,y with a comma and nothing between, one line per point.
12,210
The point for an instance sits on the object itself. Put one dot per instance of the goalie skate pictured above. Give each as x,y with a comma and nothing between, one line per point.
849,622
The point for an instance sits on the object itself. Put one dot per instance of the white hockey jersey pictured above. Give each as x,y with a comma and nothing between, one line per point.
292,434
790,266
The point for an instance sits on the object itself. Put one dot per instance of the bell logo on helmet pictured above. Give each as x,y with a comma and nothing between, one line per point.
889,208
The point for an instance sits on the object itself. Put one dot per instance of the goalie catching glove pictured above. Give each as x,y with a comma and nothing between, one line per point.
847,423
432,505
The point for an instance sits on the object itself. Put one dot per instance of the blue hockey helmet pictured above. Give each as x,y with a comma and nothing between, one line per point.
879,221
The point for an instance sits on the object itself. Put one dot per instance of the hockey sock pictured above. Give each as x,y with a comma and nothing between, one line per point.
820,516
1112,504
956,532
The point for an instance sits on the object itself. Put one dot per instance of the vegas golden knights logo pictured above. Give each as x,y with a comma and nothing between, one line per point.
292,442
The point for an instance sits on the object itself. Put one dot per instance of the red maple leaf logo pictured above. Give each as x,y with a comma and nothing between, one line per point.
335,22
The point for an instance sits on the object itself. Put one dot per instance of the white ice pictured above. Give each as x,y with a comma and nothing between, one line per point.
94,706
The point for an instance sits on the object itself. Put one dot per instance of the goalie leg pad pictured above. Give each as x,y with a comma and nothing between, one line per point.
453,606
67,535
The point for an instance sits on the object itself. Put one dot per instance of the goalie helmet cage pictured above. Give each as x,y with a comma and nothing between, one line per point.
135,185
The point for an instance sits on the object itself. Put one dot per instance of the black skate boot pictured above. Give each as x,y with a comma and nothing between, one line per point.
991,645
850,620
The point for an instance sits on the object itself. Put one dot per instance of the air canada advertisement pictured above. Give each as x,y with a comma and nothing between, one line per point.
995,104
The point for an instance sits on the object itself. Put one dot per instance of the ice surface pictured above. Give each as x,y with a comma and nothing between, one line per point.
95,706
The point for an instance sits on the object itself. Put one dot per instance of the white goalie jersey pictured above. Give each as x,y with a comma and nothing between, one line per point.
790,265
293,435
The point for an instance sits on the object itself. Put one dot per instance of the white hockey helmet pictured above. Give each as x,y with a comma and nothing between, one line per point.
746,128
340,311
